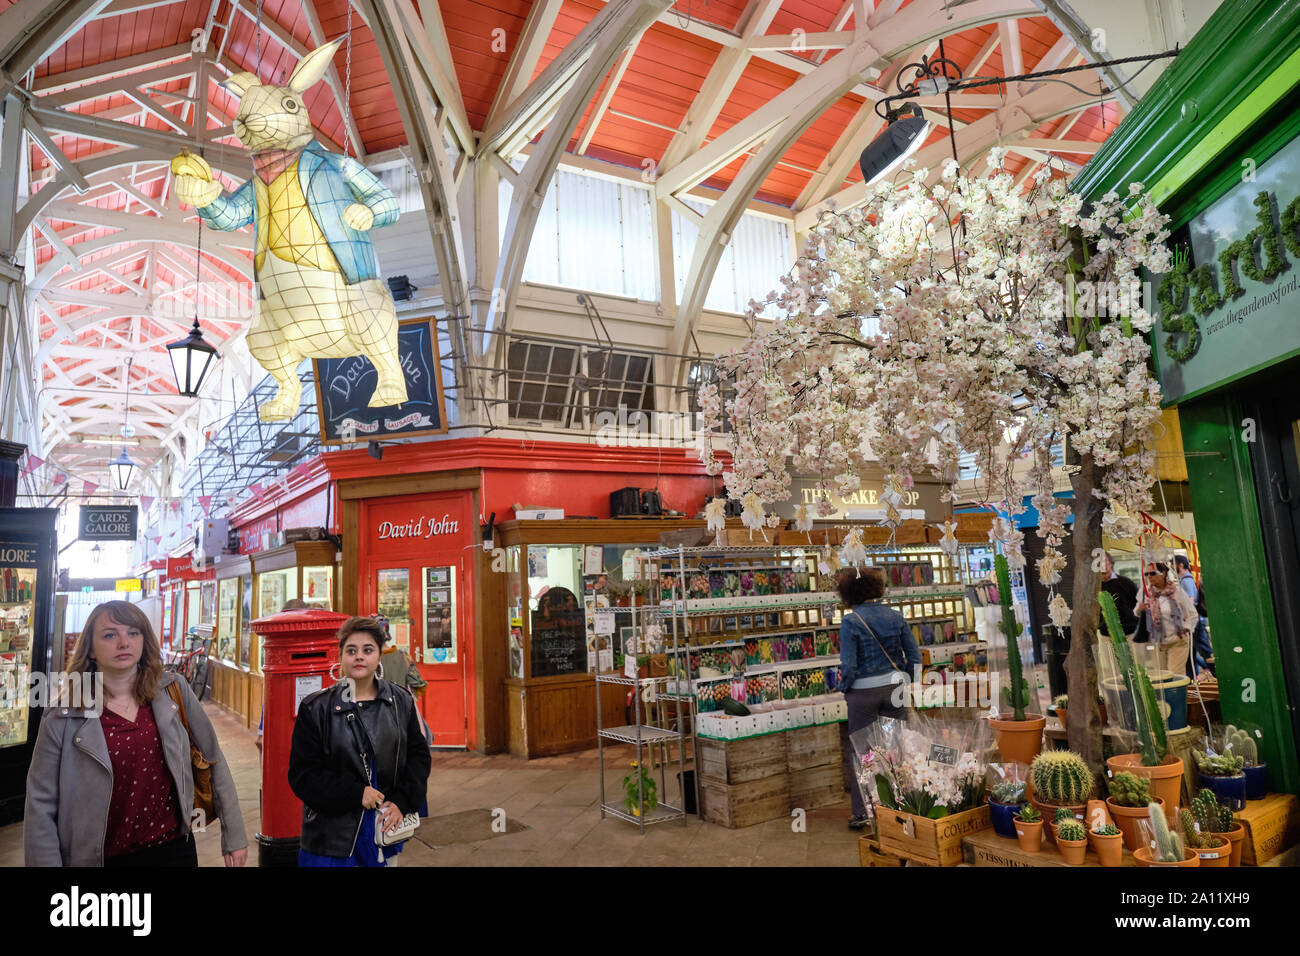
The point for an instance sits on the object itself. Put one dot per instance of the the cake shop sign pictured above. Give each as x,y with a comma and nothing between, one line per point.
423,526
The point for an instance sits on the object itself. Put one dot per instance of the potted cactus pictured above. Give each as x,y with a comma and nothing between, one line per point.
1060,705
1108,844
1213,817
1018,732
1225,775
1005,798
1129,797
1212,848
1061,780
1072,841
1029,828
1153,761
1241,743
1062,815
1168,848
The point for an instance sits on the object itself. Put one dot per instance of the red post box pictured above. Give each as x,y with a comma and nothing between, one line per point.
301,648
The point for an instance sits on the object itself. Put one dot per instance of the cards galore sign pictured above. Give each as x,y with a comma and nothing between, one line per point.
107,523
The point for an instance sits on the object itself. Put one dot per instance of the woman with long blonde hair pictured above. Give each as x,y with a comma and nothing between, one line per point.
111,782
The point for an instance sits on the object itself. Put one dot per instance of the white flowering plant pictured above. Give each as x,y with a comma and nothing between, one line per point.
922,766
954,314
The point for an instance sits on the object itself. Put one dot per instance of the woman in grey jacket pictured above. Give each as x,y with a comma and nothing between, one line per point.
111,783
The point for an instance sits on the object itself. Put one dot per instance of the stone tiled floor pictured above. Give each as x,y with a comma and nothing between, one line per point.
557,799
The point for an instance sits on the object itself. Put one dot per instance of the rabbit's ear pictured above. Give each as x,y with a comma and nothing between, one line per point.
312,67
239,83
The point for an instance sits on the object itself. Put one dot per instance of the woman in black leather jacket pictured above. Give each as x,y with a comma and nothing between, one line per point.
357,748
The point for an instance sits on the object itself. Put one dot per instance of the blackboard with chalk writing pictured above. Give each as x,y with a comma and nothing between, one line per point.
344,387
558,650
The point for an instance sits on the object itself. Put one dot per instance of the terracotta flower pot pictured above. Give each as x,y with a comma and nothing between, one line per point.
1097,815
1166,779
1073,851
1019,741
1234,838
1220,855
1048,810
1109,849
1126,818
1062,715
1029,835
1143,857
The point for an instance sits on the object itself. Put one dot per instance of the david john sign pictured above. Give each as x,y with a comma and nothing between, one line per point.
107,523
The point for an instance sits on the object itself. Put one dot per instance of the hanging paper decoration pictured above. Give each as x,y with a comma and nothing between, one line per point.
948,542
312,210
88,487
59,478
33,463
157,540
752,516
205,502
146,502
176,504
715,517
257,490
803,520
853,552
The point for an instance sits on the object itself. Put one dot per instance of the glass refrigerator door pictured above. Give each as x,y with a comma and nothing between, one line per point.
17,624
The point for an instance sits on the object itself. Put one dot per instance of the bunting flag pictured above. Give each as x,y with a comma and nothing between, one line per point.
176,504
301,471
60,478
33,463
157,540
205,501
146,502
88,487
257,490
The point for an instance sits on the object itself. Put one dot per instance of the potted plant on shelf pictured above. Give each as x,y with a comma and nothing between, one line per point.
1108,843
640,794
1061,780
1006,786
1019,733
1169,849
1029,828
1240,742
1060,707
1213,817
1072,841
1225,775
1128,801
1212,848
1062,815
1153,760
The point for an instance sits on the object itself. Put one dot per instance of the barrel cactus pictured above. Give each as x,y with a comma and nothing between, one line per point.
1063,814
1169,844
1210,815
1109,830
1130,790
1071,830
1061,776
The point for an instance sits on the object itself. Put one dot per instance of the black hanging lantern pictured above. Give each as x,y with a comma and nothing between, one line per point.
122,470
191,358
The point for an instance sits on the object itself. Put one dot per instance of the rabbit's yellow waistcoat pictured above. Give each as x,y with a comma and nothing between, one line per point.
291,232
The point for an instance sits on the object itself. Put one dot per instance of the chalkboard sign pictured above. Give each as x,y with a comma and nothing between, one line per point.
559,652
344,387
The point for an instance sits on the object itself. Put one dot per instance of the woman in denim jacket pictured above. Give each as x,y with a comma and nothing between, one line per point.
876,644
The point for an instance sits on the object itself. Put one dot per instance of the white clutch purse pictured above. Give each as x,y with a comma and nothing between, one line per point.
405,831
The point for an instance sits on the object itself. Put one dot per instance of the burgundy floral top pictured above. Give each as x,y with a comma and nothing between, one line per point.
143,810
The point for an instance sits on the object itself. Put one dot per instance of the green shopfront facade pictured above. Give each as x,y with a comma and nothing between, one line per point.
1217,141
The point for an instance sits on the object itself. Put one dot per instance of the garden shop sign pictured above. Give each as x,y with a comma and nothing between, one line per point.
1229,305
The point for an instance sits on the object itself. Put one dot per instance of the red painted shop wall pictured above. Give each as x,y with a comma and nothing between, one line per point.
394,532
587,492
309,511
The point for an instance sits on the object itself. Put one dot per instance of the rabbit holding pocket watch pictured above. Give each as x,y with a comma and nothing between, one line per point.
320,295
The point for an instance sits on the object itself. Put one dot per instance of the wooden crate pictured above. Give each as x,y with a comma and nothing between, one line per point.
1272,825
930,841
741,761
747,538
817,787
912,531
986,848
810,747
870,854
744,804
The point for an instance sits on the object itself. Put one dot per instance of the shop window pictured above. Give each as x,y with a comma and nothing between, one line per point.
539,382
228,619
619,379
705,373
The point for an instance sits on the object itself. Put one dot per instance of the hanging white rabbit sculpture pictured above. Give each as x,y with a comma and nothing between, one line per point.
319,291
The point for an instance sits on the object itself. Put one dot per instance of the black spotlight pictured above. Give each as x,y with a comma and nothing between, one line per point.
902,137
401,288
375,450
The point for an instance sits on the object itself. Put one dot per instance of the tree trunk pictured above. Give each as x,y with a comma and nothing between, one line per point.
1083,731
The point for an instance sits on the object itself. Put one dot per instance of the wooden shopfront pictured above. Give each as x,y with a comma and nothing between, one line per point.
554,653
230,656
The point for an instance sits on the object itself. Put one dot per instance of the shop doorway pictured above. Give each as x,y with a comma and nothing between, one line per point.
429,622
1275,458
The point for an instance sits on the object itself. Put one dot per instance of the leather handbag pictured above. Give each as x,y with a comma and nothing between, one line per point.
201,766
405,830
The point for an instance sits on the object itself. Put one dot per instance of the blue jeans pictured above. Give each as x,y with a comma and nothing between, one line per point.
1202,650
866,706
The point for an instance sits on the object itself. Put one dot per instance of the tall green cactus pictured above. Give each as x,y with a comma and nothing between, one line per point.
1017,695
1210,815
1242,744
1169,845
1146,709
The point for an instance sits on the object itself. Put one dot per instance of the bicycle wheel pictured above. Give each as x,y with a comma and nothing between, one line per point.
199,682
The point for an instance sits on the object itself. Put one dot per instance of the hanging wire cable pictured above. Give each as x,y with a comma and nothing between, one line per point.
347,89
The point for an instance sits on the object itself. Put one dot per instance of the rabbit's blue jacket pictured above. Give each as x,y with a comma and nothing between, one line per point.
331,183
